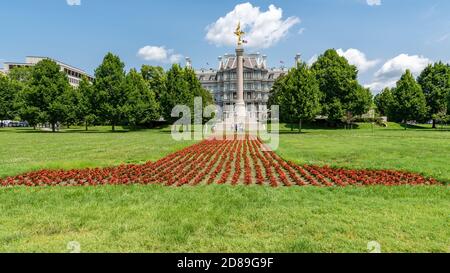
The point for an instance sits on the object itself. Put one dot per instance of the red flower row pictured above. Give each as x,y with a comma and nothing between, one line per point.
219,161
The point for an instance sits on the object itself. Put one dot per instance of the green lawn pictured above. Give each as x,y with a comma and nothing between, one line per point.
24,149
425,151
226,218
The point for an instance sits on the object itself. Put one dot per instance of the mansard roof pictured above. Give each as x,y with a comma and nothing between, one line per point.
252,61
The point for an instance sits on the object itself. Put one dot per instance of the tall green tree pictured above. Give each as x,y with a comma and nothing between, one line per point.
275,91
197,89
141,106
435,83
275,96
89,103
72,99
156,78
42,100
8,93
177,91
409,100
109,84
447,114
384,102
359,101
21,74
300,95
338,82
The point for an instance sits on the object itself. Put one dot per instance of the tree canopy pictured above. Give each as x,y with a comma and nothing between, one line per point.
299,95
384,101
435,83
42,99
109,85
141,106
8,90
409,101
339,84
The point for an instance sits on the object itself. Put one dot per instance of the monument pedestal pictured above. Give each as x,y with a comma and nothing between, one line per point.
240,112
239,121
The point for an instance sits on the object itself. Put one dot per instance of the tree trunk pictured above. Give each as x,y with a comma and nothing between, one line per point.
292,127
86,124
300,126
53,127
113,127
434,124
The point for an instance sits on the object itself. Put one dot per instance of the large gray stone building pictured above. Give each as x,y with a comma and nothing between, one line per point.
258,81
74,74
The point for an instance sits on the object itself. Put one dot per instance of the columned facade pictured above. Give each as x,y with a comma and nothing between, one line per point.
256,82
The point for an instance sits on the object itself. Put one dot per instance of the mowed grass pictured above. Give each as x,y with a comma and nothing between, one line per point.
420,150
224,219
23,150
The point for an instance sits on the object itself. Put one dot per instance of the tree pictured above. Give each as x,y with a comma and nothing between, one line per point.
435,83
196,88
89,102
275,92
409,100
359,101
42,100
275,96
177,92
335,110
300,95
109,84
447,113
30,114
336,79
8,92
156,78
21,74
338,82
384,102
72,99
141,106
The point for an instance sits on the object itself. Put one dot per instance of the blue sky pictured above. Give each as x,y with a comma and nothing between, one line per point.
381,37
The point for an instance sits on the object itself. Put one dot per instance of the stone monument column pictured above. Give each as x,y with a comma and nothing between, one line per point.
240,103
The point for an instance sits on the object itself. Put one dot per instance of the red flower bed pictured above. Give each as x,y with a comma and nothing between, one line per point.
236,161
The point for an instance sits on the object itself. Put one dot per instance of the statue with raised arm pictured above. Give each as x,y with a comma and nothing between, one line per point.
239,33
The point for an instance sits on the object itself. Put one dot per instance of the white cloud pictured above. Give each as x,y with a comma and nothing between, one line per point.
73,2
159,54
263,28
301,31
391,71
175,58
443,38
374,2
358,58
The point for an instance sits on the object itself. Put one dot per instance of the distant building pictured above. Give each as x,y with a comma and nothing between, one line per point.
74,74
258,81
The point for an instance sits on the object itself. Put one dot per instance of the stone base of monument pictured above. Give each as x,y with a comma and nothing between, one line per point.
238,124
239,121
